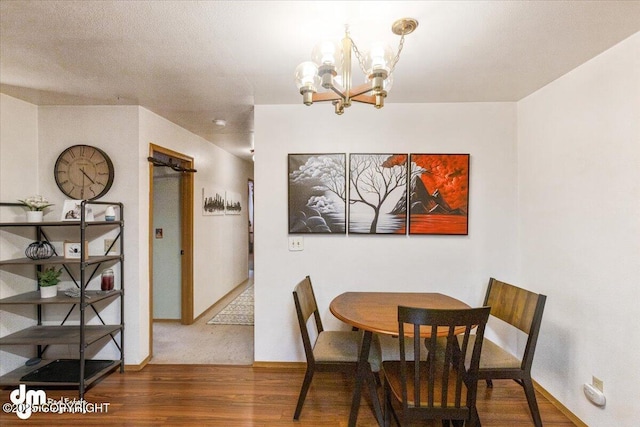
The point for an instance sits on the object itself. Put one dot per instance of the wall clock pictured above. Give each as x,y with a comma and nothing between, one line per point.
83,172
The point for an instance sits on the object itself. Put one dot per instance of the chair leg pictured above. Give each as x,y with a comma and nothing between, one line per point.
395,417
489,384
388,408
376,376
373,393
387,405
475,418
308,376
527,384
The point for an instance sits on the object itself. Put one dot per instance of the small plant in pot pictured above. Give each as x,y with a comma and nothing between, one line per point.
48,280
36,206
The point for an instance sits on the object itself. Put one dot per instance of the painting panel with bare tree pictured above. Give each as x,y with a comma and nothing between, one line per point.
317,193
378,193
439,201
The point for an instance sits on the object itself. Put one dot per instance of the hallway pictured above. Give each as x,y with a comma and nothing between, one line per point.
200,343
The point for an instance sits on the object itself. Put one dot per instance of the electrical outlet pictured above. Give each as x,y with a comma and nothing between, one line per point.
296,243
597,383
107,244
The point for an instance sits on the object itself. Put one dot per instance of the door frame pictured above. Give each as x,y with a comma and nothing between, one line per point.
186,236
251,188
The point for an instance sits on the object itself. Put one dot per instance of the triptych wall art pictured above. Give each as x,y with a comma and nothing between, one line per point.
388,193
220,202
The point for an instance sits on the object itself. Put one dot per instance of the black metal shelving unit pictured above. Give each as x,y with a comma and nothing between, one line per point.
80,372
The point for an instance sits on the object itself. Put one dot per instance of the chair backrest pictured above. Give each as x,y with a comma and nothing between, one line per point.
442,386
518,307
306,306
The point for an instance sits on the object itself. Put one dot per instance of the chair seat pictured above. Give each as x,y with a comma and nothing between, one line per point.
390,348
393,376
344,346
492,357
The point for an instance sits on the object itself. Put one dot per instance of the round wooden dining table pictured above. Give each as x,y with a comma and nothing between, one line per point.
377,312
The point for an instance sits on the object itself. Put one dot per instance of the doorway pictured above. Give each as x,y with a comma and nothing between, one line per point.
180,184
167,263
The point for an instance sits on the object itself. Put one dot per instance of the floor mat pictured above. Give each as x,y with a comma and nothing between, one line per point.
238,312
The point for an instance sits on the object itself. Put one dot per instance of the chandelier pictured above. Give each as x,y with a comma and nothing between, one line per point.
330,69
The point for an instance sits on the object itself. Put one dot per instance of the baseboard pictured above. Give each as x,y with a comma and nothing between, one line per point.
287,365
139,367
555,402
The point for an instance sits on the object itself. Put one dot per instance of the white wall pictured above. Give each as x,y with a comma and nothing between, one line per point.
113,129
456,265
579,220
32,138
18,143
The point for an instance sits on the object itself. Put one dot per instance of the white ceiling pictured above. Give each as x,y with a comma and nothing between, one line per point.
193,61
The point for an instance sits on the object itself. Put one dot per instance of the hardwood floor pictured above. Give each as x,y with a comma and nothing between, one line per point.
209,395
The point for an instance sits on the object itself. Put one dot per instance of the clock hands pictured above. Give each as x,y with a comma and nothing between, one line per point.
88,177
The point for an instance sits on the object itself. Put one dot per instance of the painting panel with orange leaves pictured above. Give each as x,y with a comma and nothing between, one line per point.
439,196
378,193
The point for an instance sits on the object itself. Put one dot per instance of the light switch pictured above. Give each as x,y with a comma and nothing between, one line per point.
296,243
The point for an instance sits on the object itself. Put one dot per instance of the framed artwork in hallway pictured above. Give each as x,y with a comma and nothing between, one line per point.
213,201
232,203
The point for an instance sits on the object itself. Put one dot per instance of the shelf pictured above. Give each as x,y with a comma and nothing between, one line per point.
97,369
60,260
75,331
58,223
33,297
58,335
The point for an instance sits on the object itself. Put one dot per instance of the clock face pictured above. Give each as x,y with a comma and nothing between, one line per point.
84,172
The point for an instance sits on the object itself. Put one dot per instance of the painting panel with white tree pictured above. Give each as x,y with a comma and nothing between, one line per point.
439,202
377,192
317,193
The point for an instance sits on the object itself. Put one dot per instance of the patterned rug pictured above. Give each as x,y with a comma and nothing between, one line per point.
238,312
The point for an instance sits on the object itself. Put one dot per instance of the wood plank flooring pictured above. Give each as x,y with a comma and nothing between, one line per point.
210,395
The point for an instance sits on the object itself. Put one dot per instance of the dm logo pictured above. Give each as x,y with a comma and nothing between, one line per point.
26,400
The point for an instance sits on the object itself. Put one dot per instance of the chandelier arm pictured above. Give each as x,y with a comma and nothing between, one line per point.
326,96
338,92
360,90
365,99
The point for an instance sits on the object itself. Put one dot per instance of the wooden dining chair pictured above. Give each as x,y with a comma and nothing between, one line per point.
436,389
335,351
523,310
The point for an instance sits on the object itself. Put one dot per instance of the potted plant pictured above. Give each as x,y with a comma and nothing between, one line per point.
36,205
48,280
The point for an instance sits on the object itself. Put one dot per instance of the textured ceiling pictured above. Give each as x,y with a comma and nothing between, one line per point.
193,61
